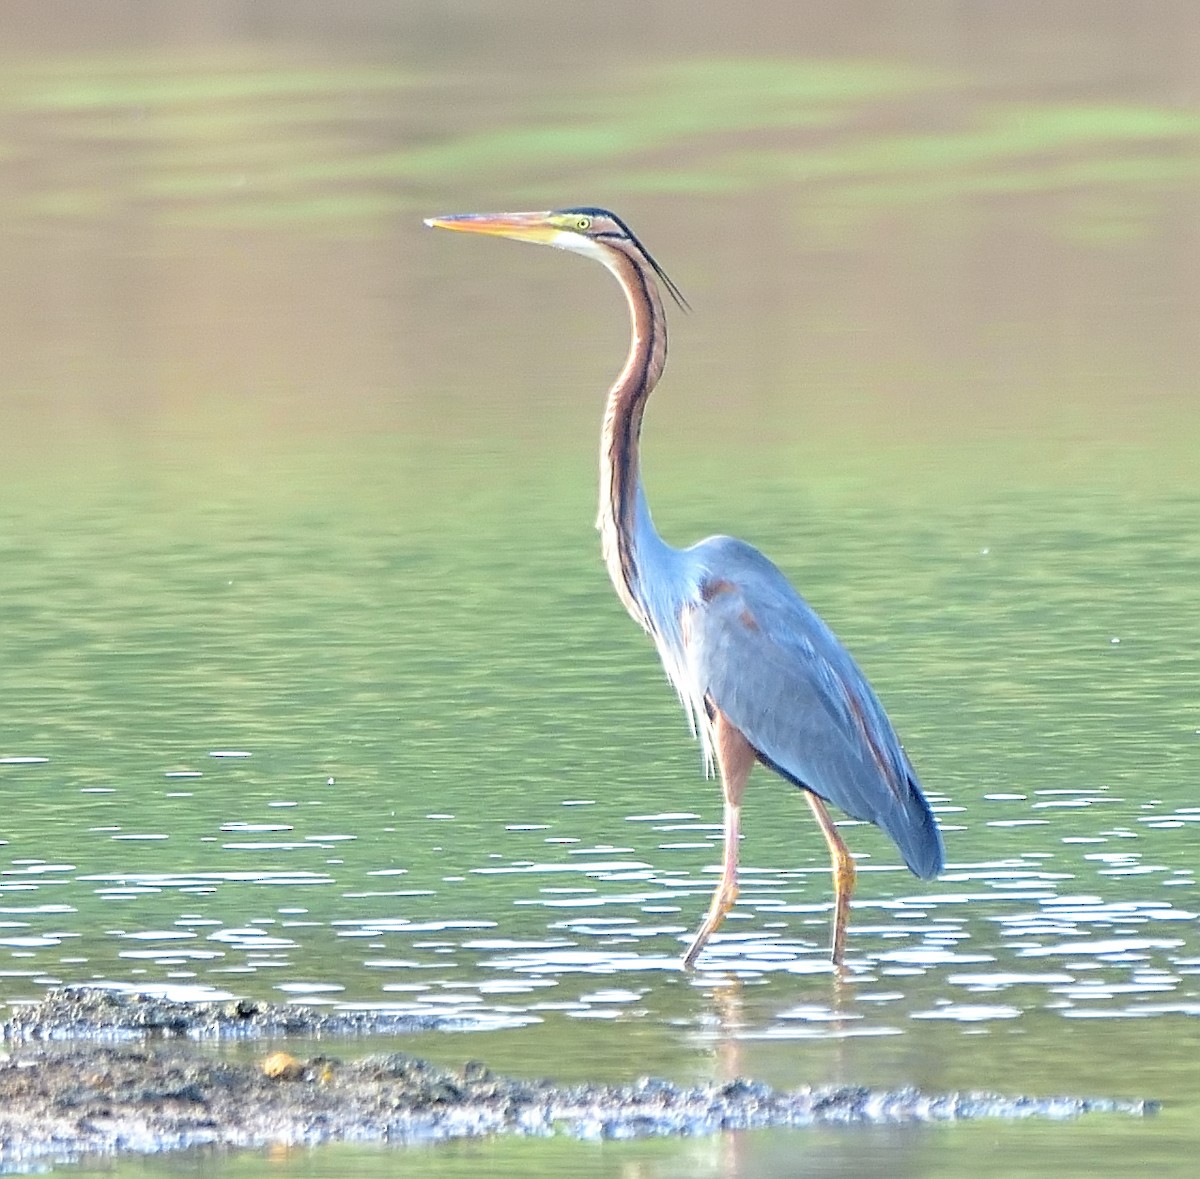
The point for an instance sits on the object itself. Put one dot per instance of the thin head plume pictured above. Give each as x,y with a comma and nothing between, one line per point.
665,278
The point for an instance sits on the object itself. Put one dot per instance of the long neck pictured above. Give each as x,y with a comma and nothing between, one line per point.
624,521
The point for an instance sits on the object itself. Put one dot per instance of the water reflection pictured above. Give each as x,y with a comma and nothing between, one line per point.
1111,955
625,912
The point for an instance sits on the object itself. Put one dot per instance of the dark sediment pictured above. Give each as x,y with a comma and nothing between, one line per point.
63,1094
104,1014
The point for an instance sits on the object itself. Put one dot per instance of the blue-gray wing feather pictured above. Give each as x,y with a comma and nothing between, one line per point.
758,652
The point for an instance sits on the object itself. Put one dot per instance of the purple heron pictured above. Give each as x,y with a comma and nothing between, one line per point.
761,677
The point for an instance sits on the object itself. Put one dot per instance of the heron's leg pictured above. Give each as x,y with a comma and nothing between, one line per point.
735,760
844,875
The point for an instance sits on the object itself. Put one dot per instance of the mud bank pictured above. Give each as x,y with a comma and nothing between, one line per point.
93,1072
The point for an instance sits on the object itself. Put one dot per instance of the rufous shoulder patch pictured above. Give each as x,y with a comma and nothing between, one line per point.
716,585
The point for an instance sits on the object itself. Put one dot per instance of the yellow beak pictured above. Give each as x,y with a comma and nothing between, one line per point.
525,227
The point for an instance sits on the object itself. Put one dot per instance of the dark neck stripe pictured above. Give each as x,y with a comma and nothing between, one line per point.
622,428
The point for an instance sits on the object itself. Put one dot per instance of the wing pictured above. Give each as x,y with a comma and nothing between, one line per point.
761,655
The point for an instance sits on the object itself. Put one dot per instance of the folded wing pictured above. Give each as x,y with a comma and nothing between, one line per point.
761,655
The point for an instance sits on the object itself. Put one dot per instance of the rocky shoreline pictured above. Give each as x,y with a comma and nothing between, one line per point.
93,1071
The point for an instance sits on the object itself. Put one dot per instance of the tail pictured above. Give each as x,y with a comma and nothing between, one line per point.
904,816
914,830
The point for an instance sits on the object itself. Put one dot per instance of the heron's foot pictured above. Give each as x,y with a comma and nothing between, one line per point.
722,901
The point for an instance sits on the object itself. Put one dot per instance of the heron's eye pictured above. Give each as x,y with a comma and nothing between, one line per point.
583,223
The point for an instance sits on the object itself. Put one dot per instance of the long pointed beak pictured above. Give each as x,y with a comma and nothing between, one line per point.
525,227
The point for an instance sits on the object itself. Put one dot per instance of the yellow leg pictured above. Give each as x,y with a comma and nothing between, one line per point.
735,760
844,875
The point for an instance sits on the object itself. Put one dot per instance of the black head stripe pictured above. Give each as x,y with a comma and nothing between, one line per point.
672,289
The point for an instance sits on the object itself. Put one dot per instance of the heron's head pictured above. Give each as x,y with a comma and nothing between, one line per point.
596,233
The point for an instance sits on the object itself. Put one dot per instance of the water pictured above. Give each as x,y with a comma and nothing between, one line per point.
312,683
